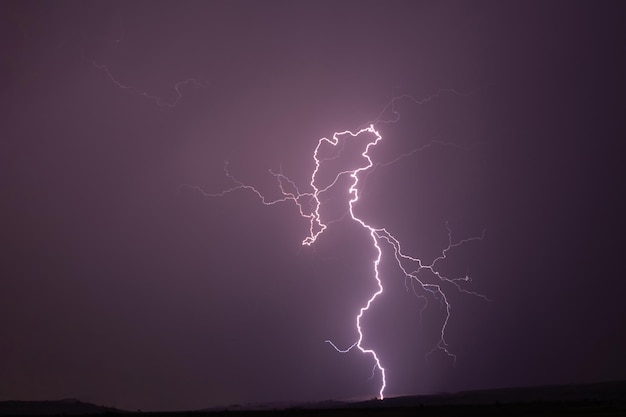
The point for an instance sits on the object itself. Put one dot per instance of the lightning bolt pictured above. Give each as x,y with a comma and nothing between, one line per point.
309,205
416,272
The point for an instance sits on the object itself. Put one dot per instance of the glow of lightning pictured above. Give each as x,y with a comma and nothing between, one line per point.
290,192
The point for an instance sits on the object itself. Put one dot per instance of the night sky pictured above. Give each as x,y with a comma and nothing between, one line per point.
120,287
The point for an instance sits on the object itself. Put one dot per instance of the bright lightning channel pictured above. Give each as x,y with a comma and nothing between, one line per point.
410,266
379,236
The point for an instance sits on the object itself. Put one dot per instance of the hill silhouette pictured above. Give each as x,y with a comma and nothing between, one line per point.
65,407
597,399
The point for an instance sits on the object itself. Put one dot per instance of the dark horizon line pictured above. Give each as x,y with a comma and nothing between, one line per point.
612,390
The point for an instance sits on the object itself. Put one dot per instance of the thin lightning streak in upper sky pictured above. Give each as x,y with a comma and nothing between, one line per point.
379,236
159,101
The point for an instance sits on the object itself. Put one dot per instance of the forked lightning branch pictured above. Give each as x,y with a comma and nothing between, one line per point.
310,204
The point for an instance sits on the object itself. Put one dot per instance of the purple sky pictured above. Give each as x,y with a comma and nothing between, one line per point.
120,288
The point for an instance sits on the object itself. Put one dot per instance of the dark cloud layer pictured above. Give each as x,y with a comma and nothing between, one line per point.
121,288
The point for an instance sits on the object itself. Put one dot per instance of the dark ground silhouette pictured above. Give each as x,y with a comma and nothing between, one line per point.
599,399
